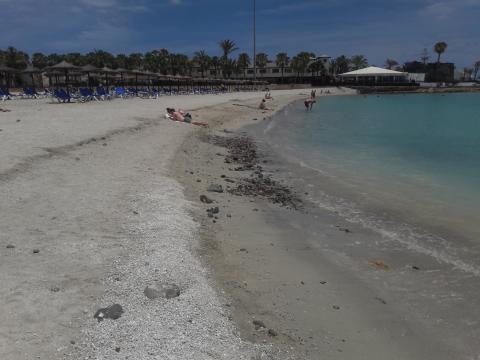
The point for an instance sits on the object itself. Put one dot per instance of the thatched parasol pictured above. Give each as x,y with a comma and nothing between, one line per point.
64,67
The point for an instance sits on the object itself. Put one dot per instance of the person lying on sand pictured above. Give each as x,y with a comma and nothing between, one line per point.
181,116
263,105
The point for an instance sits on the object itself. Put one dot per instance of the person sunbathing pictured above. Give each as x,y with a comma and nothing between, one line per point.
181,116
263,105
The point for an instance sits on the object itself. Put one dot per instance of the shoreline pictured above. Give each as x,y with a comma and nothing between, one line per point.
312,292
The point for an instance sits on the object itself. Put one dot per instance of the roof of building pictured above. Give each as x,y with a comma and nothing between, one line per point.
373,71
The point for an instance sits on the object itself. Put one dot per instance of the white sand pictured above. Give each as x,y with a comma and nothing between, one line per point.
106,220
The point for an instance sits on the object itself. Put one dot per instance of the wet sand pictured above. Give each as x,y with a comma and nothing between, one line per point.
323,287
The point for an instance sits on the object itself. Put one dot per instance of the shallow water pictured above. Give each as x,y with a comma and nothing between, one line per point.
406,166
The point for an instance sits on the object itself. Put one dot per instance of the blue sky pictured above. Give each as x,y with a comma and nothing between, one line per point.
378,29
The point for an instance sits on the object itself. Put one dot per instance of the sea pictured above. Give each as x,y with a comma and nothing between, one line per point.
406,166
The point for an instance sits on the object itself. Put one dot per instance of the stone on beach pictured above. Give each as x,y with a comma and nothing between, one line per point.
162,290
215,188
205,199
113,312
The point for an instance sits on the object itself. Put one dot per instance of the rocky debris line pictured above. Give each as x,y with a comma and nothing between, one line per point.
163,290
112,312
243,151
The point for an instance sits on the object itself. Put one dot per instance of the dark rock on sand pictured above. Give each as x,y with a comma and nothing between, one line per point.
215,188
205,199
117,349
113,312
36,251
272,332
10,246
259,324
162,290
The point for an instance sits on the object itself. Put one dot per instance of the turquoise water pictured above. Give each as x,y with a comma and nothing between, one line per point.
414,158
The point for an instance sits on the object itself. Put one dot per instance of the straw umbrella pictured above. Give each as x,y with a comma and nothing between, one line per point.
64,67
121,71
87,69
106,71
6,70
30,69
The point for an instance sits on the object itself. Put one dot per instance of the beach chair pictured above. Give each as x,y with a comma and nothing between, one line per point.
120,92
102,93
61,95
5,94
86,94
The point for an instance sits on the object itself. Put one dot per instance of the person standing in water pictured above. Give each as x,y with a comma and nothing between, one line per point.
309,103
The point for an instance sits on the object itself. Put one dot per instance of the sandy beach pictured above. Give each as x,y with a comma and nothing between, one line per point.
104,199
90,217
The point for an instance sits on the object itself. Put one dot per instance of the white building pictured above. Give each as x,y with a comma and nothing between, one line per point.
374,75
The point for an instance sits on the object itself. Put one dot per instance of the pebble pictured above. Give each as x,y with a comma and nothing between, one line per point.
272,332
36,251
258,324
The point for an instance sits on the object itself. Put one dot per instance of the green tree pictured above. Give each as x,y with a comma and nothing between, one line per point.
304,58
39,60
228,47
261,60
282,61
243,63
76,59
358,62
339,65
216,63
100,58
203,61
391,63
440,48
121,61
15,59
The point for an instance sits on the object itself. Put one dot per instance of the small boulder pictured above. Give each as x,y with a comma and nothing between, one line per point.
205,199
258,324
215,188
113,312
166,291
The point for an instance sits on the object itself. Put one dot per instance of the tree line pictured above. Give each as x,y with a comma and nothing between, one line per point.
166,62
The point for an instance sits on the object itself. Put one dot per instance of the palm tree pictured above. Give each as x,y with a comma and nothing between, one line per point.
339,65
282,62
228,47
358,62
297,66
391,63
261,60
304,58
216,64
243,63
39,60
203,61
440,48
